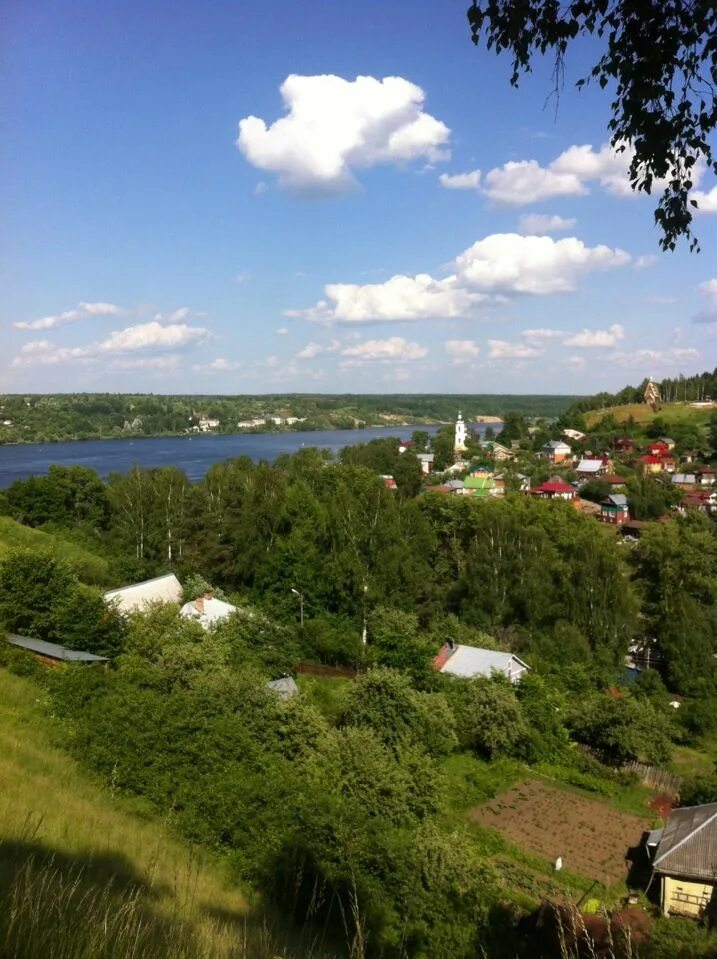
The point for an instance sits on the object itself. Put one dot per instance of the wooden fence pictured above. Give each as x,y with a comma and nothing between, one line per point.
654,777
320,669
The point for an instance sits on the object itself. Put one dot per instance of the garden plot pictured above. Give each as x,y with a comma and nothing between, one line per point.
591,837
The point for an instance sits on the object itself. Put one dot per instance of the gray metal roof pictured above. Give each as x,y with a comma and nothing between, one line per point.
556,444
286,687
618,499
689,843
454,484
470,661
686,478
53,651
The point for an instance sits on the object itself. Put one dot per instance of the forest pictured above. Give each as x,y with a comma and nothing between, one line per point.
330,804
44,418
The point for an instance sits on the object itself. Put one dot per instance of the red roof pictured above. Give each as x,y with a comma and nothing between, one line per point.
553,487
613,479
650,459
658,448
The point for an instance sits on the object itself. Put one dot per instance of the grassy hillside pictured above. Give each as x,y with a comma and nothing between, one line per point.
83,874
89,567
643,414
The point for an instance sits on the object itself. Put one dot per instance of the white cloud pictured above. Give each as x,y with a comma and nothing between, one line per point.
242,277
393,350
400,299
706,202
218,365
312,350
500,264
542,223
708,314
460,181
652,360
510,263
260,188
596,339
577,362
282,331
503,350
517,183
645,261
83,311
537,337
143,338
526,181
333,126
461,351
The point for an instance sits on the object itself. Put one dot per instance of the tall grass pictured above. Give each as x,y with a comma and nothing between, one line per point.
85,874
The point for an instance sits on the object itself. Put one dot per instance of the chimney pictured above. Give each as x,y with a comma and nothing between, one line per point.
451,644
207,594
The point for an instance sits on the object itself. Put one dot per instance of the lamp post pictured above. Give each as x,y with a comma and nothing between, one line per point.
301,605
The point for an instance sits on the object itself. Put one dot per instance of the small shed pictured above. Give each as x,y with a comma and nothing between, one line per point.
686,861
285,688
50,654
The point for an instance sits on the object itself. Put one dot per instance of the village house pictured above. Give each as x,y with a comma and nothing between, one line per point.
575,435
590,468
426,460
684,481
650,463
388,481
480,484
614,509
456,486
285,688
556,451
684,861
668,442
703,500
206,610
50,654
624,444
207,425
135,598
613,480
472,661
404,445
554,489
706,476
497,451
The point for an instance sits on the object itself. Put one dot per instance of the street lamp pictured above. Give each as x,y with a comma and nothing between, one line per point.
301,605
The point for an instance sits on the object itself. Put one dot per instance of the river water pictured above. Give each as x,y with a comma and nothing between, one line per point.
192,454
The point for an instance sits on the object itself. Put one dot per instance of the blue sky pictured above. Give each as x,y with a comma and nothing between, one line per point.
423,228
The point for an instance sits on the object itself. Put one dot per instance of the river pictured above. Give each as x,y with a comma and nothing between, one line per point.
192,454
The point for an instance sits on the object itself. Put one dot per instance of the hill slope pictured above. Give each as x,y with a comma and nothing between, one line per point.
83,874
90,568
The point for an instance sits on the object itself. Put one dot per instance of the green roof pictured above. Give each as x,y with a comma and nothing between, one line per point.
480,485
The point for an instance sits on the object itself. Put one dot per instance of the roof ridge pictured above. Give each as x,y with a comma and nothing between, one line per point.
690,835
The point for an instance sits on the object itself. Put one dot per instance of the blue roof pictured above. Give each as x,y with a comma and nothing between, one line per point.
53,651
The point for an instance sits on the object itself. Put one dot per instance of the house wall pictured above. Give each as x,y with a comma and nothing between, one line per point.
681,897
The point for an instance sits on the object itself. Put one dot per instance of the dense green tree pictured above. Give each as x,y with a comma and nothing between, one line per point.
624,728
489,717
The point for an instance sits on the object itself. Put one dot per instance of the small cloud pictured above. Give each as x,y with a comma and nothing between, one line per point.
282,331
219,365
504,350
538,224
577,362
644,261
242,277
83,311
460,181
395,349
596,339
260,188
461,352
312,350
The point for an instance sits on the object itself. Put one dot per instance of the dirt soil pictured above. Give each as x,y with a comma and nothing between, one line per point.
592,837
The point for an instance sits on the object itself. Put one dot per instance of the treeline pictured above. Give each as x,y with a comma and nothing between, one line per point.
681,389
538,575
57,417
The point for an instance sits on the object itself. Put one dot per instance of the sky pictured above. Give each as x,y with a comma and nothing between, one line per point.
311,196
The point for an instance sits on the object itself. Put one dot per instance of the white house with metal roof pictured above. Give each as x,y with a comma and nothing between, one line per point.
470,662
686,861
207,610
135,598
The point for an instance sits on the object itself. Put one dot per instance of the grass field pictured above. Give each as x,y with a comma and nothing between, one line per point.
85,874
89,567
643,414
